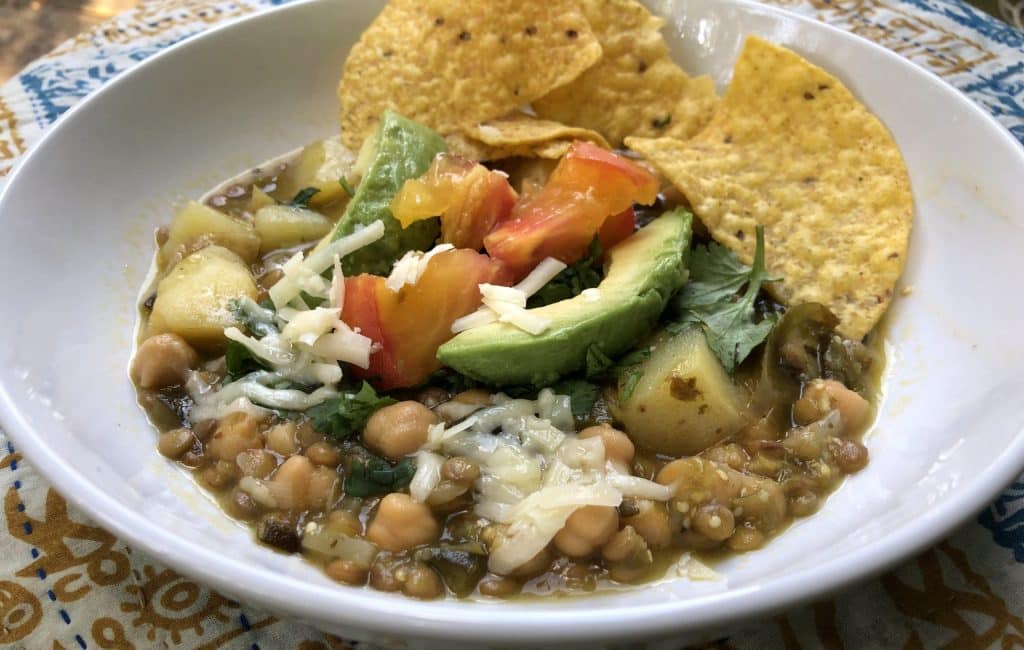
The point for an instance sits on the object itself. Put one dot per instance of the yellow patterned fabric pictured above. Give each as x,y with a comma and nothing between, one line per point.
65,583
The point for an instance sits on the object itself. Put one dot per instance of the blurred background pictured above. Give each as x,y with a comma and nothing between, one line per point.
31,28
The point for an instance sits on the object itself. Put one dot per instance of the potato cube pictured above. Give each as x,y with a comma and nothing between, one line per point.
283,226
198,225
320,165
192,301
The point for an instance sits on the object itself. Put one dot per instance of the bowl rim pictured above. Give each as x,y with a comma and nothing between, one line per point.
329,606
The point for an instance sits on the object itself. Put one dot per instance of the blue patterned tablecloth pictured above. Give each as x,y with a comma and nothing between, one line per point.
66,583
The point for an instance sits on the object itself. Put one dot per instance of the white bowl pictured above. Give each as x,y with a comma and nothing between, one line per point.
77,220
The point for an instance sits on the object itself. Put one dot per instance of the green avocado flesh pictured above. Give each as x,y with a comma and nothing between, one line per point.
404,150
643,272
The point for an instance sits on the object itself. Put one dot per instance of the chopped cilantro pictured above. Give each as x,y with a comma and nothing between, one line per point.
597,362
303,196
240,361
345,415
312,301
713,299
345,186
584,274
376,477
582,395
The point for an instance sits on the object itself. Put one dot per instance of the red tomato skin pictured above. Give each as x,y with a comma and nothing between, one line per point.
409,325
561,219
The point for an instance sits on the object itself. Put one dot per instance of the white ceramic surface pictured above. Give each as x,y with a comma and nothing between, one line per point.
77,218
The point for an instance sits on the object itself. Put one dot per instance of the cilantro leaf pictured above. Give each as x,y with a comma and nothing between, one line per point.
597,362
240,361
629,370
346,415
582,395
346,186
584,274
376,477
302,197
711,298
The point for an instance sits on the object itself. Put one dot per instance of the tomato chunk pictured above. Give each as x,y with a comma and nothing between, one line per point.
469,198
617,227
589,185
409,325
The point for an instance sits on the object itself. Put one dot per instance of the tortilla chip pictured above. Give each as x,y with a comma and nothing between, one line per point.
520,129
451,65
791,148
519,135
635,89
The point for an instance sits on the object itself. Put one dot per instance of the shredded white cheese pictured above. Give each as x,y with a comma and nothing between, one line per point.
410,268
543,273
307,326
301,275
344,345
508,304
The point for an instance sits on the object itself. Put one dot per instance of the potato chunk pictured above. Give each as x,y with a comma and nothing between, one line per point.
684,401
283,226
192,300
198,225
320,165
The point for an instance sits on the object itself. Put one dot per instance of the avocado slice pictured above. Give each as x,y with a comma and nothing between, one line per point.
401,149
642,273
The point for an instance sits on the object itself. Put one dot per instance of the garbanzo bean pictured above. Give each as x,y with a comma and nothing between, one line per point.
499,586
651,522
586,530
220,474
163,360
401,524
460,469
256,462
290,483
234,434
618,447
323,453
281,439
853,409
851,456
174,443
399,429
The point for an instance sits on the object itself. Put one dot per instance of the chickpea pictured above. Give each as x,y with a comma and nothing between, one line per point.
174,443
281,439
625,545
290,483
323,453
651,522
401,523
256,462
348,572
234,434
851,456
306,435
460,469
163,360
586,530
399,429
729,454
618,448
853,409
716,522
422,582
